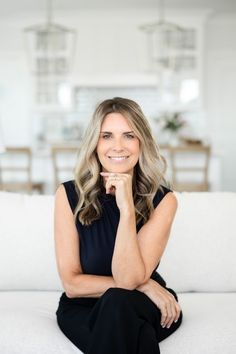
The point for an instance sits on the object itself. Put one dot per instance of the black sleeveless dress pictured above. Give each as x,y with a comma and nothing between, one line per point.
96,249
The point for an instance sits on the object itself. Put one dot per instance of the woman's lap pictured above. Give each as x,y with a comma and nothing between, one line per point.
73,315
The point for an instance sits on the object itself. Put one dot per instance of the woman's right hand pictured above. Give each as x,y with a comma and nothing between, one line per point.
164,300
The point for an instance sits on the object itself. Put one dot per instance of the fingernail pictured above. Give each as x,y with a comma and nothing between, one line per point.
176,321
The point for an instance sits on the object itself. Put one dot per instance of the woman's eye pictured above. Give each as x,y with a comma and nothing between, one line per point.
129,136
106,136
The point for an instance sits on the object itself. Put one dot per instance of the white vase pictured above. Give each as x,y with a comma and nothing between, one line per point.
173,138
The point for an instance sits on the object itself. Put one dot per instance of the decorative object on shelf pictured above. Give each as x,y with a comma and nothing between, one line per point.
165,39
171,123
191,141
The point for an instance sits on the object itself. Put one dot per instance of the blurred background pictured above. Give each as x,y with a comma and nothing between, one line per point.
59,58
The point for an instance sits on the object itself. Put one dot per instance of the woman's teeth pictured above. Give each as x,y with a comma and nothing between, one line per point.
120,158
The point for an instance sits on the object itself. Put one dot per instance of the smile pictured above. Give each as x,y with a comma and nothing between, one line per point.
118,158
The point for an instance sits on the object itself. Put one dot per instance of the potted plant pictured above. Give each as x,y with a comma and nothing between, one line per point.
172,123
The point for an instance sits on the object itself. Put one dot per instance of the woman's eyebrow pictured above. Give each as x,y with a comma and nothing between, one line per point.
111,132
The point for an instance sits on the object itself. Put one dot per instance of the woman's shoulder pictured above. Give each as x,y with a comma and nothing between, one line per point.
160,194
71,192
69,185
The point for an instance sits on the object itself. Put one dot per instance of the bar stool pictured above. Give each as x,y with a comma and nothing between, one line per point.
16,171
190,166
64,160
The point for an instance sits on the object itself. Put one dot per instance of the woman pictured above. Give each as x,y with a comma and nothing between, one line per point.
112,225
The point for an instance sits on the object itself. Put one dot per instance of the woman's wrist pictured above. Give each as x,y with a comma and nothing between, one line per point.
145,287
128,212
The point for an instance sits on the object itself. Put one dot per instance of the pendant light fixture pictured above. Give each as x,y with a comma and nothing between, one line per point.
50,46
165,39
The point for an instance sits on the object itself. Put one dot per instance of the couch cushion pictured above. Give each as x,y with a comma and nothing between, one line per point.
28,325
27,257
201,251
208,325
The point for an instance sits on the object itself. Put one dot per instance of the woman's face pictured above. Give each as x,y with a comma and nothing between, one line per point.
118,147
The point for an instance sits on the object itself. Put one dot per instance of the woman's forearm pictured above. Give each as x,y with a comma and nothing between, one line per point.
88,285
128,268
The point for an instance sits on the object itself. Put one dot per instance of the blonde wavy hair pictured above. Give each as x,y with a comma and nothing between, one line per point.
148,172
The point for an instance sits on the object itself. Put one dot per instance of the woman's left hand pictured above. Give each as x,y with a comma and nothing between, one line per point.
164,300
122,184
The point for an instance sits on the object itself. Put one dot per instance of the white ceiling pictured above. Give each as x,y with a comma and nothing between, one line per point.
10,7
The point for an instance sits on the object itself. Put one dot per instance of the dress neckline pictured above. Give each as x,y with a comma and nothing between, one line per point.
107,197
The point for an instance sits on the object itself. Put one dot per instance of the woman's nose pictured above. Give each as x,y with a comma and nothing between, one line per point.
118,146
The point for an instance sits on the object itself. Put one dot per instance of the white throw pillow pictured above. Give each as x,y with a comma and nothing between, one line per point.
27,256
201,252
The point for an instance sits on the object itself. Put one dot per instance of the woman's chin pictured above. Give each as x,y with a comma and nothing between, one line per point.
117,170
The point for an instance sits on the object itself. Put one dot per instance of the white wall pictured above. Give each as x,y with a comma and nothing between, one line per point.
15,85
221,93
111,47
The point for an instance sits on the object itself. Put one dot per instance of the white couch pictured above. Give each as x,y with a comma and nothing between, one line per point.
199,263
